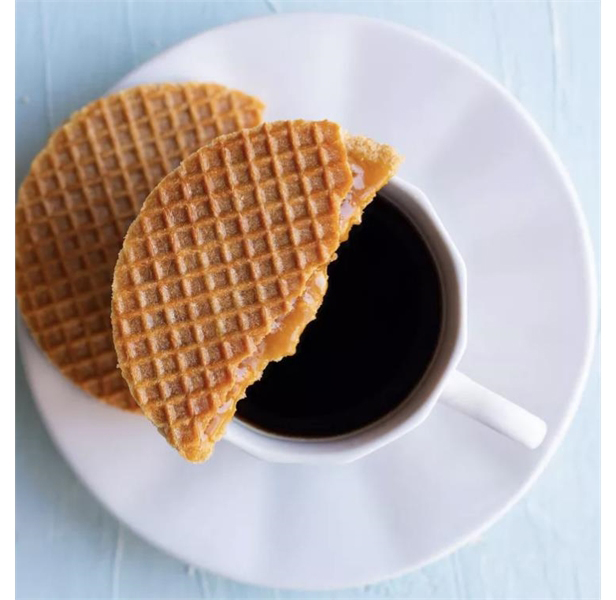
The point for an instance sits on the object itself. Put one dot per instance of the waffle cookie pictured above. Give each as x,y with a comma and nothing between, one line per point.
223,268
83,191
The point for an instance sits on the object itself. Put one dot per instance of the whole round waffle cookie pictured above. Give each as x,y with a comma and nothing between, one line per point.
83,191
218,256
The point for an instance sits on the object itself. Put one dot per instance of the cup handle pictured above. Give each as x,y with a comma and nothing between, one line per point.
502,415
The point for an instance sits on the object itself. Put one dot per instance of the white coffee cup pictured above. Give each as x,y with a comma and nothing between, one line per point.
442,382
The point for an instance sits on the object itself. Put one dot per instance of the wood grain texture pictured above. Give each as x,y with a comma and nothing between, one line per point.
547,54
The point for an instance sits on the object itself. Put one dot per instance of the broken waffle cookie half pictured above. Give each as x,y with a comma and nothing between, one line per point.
81,194
226,264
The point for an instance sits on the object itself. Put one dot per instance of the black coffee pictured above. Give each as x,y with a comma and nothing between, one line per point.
371,342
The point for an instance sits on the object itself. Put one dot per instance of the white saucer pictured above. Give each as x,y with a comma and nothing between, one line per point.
512,212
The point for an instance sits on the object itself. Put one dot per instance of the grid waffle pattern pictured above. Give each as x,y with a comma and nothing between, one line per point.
222,248
76,204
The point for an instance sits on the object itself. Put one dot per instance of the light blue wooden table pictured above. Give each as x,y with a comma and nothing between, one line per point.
547,54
